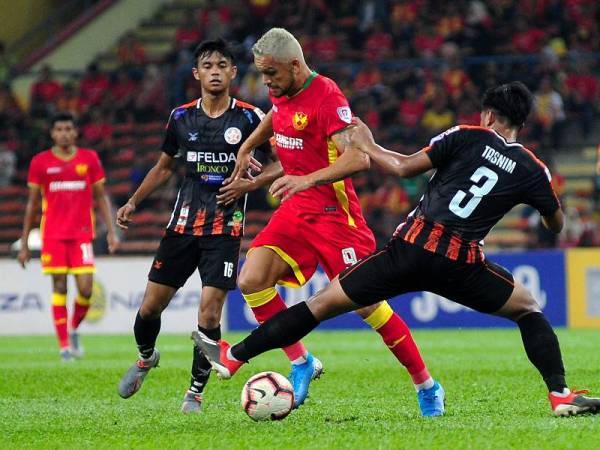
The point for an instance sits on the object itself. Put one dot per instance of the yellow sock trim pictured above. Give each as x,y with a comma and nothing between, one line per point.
260,298
81,300
380,316
59,299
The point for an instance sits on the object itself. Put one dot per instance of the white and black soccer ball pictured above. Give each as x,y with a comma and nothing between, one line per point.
267,396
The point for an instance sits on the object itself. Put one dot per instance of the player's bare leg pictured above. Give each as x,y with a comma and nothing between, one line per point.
59,314
543,350
85,283
261,272
209,324
146,329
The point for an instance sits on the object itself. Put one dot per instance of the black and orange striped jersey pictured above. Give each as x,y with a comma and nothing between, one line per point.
479,177
208,148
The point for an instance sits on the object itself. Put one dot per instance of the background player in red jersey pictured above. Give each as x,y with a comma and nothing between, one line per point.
320,220
481,174
69,180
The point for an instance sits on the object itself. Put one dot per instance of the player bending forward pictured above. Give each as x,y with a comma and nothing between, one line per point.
481,173
320,220
68,178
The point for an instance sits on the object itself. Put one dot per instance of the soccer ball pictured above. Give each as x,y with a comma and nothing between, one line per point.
267,396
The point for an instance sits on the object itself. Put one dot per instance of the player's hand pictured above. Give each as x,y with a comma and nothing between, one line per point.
113,242
124,215
361,136
24,256
230,192
288,185
243,162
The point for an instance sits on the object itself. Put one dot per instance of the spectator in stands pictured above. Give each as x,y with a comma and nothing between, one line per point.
583,89
438,117
215,19
189,33
378,45
44,92
10,112
150,100
98,131
131,53
7,64
549,113
69,100
8,165
527,39
93,86
123,90
324,47
411,110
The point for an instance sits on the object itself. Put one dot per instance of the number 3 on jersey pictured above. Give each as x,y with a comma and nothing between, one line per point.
477,191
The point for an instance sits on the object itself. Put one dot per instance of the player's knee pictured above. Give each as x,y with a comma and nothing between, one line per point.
60,286
210,313
520,305
85,292
250,282
150,311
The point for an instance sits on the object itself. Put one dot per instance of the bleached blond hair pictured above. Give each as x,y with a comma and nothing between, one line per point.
280,44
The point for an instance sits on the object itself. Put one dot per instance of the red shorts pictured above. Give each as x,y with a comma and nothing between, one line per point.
67,256
305,242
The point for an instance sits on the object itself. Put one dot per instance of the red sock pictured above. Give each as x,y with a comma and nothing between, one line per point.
82,305
59,313
396,334
265,304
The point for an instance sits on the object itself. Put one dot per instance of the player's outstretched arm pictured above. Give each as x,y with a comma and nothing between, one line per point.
155,178
396,163
348,163
261,134
33,205
103,204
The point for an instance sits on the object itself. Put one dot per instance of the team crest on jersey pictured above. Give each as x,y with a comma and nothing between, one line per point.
232,135
81,169
300,121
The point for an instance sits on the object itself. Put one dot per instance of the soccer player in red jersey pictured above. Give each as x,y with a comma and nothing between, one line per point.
69,179
320,220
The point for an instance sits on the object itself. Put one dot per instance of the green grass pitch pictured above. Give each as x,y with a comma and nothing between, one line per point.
495,399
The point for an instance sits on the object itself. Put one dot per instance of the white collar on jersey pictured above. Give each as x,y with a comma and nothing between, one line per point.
504,140
233,102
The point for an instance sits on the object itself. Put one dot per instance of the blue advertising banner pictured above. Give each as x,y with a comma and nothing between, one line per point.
542,272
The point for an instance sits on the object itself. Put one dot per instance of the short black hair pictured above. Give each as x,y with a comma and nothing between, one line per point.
512,101
207,48
62,117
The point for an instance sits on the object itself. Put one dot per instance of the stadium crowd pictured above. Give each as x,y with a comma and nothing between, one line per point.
411,69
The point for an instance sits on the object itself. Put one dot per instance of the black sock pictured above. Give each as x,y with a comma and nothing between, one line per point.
146,331
279,331
200,365
543,350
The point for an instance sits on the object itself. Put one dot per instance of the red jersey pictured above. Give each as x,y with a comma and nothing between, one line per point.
303,125
66,185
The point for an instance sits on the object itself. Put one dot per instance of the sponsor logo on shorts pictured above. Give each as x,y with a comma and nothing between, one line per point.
232,135
157,264
300,121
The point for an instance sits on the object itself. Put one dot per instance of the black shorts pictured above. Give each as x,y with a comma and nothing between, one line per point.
402,267
215,257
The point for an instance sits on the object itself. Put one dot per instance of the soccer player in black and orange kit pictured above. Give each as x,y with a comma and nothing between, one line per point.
204,136
68,179
320,219
481,174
